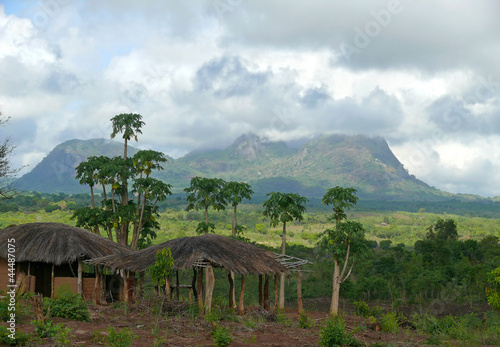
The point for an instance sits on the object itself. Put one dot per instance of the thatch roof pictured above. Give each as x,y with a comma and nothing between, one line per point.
56,243
219,251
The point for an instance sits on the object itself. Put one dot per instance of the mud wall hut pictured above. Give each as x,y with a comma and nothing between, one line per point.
48,256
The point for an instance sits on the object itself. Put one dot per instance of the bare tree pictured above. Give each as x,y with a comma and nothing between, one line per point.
6,170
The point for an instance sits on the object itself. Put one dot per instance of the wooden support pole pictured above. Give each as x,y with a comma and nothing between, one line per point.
125,286
200,289
141,283
232,290
282,291
299,290
230,278
52,283
261,299
266,292
80,277
193,284
167,291
177,284
209,290
241,308
96,286
275,291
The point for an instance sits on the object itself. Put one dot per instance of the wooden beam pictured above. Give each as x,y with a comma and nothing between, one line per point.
80,277
275,291
266,292
52,282
177,284
299,290
209,283
200,289
261,299
193,284
232,299
241,308
141,283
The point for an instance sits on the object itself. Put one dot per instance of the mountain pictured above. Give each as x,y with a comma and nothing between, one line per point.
56,172
366,163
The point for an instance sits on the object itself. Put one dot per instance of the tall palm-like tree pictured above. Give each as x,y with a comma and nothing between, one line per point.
284,208
235,192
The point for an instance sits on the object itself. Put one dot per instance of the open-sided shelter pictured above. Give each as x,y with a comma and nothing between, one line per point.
204,252
49,255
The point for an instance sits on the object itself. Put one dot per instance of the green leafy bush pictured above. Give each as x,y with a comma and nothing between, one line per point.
361,308
21,338
333,333
46,329
114,338
389,322
305,321
68,305
221,336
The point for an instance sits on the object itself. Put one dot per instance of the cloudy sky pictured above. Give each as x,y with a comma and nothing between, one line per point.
422,74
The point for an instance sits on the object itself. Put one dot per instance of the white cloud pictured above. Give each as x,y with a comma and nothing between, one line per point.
201,75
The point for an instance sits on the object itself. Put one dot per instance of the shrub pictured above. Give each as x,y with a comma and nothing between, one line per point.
113,338
68,305
21,338
221,336
361,308
333,333
305,321
389,322
46,329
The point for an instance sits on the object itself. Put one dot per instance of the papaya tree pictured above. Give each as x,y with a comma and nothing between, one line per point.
118,213
283,208
235,192
205,193
344,241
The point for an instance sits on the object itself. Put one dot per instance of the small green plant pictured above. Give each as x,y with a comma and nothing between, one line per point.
221,336
67,305
377,311
333,333
21,338
305,321
389,322
164,263
114,338
281,318
361,308
63,337
46,329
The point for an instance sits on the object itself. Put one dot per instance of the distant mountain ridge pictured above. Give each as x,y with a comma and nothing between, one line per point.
366,163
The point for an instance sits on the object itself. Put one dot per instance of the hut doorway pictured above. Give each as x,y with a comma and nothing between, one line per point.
43,275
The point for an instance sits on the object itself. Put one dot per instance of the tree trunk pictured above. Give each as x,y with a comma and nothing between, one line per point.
177,285
141,283
206,218
334,308
234,222
282,277
241,308
299,290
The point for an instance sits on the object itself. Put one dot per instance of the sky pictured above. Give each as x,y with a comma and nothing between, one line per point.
423,74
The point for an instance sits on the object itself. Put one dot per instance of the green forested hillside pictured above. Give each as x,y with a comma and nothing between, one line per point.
358,161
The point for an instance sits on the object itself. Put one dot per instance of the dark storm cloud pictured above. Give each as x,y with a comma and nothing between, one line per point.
227,77
314,96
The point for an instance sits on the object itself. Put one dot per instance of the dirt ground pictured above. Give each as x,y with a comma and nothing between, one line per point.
184,331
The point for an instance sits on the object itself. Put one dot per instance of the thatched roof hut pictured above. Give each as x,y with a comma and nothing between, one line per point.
209,249
56,243
49,256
